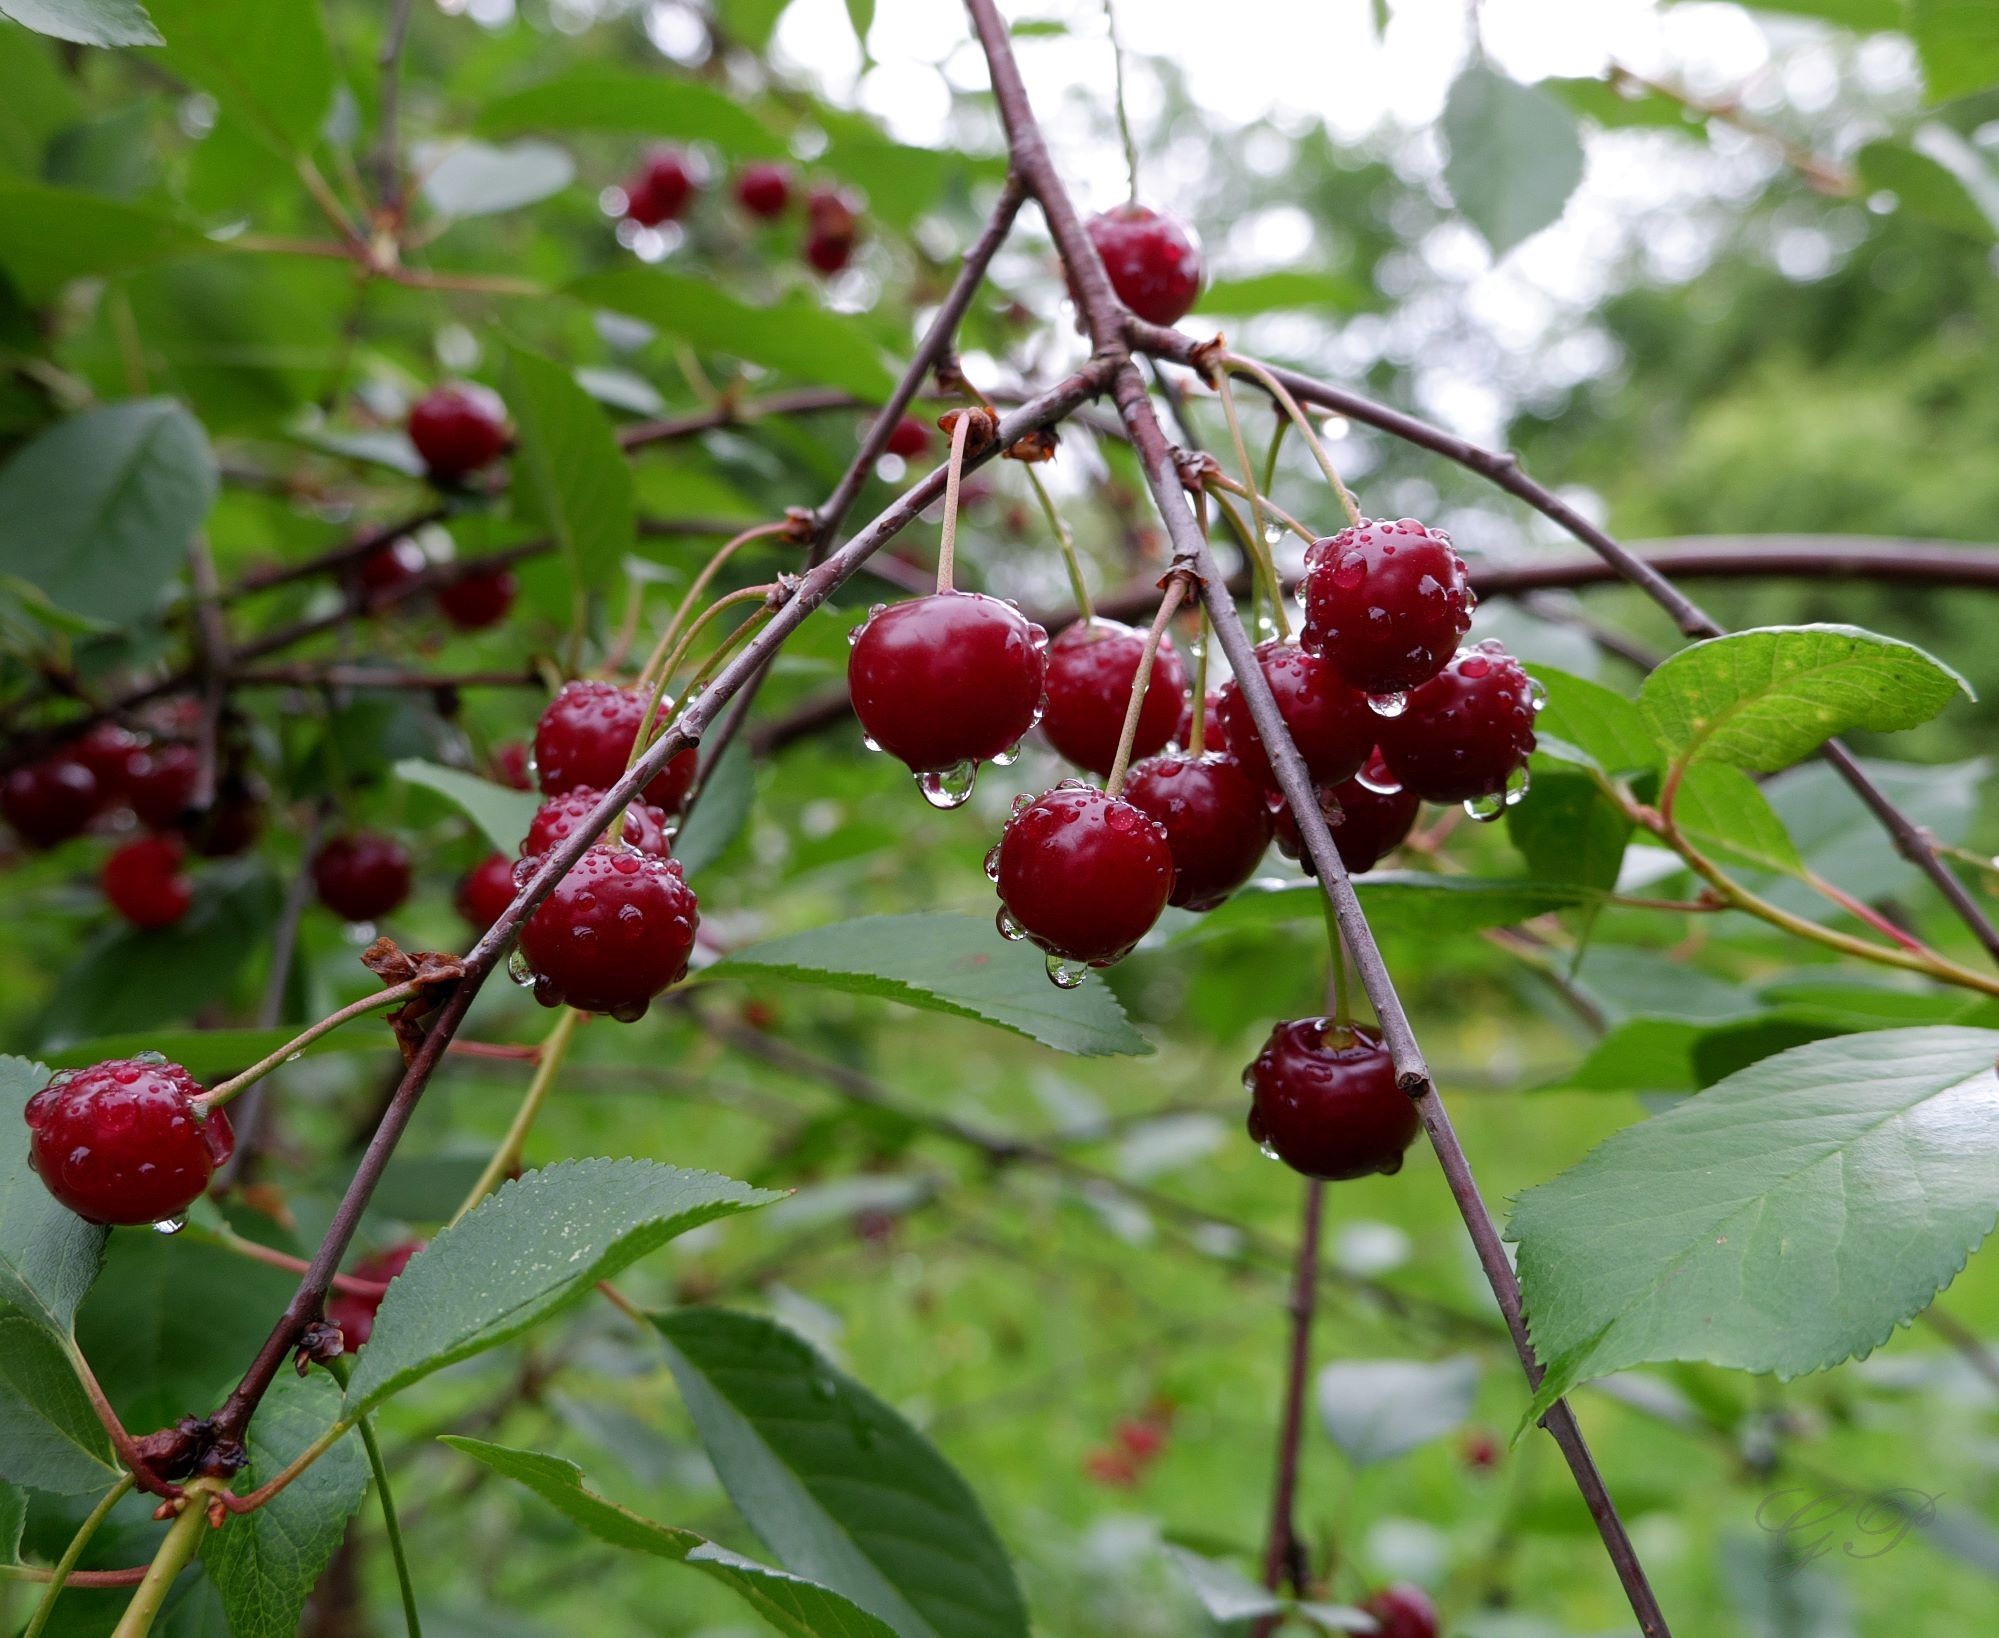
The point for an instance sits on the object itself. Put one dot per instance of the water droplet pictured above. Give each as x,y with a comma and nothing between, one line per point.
1022,802
1009,929
870,743
1272,535
1008,757
1350,571
1485,808
169,1225
876,610
1537,695
992,862
1474,665
854,634
1268,1150
1388,705
1064,974
951,787
518,969
1266,628
1516,787
1377,777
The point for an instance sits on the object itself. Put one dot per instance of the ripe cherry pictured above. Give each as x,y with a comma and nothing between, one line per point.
1466,734
107,751
1091,666
232,822
833,226
510,766
947,682
479,599
1387,602
1403,1611
363,876
1082,874
909,439
49,801
1217,822
616,931
1153,261
1366,820
124,1142
1330,721
144,883
585,738
355,1314
159,783
661,187
485,891
388,569
1323,1100
555,821
457,430
764,189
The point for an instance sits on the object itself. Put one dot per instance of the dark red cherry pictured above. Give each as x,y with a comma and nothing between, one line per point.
1153,260
947,682
457,430
233,821
124,1142
510,766
1091,666
764,189
355,1314
1217,822
144,882
832,228
1387,602
1366,821
585,738
479,599
661,187
159,783
1082,874
363,876
485,891
1467,733
616,931
49,801
555,821
1403,1611
1323,1099
910,439
1331,722
107,751
389,569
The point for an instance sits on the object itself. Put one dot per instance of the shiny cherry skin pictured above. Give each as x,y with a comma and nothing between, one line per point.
159,783
1468,731
910,438
1082,874
389,569
480,599
585,738
457,429
764,189
1403,1611
1325,1099
1387,602
555,821
661,188
510,766
354,1313
1365,820
363,876
1217,822
49,801
484,892
107,751
124,1142
1330,721
144,882
1153,260
617,930
1091,666
942,680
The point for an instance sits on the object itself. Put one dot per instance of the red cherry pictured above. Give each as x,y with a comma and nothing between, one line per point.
585,738
510,766
144,883
232,822
764,189
1331,722
1386,602
833,226
1140,1440
660,188
1480,1451
479,599
485,891
1114,1468
355,1315
159,783
388,569
1154,261
124,1142
361,877
457,430
555,821
1324,1100
1082,874
1217,822
829,252
1403,1611
616,931
1365,820
909,439
107,751
946,681
49,801
1091,666
1466,734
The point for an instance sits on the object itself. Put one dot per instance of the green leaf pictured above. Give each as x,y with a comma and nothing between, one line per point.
749,22
210,1054
37,102
1786,1219
1723,813
503,813
795,1606
1598,722
88,22
48,1254
478,179
1515,155
946,963
1378,1409
50,1438
861,13
1841,840
1764,699
1398,901
264,1563
536,1245
571,469
1569,831
49,236
727,791
271,66
1287,288
1871,15
839,1486
13,1519
1958,42
98,512
1620,105
650,105
794,335
1924,188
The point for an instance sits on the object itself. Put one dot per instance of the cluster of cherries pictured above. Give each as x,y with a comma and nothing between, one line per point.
668,180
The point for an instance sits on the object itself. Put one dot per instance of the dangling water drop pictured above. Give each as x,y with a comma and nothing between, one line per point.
169,1225
1008,757
1266,628
519,970
992,862
950,787
870,743
854,633
1388,705
1066,975
1537,695
1516,787
1379,778
1485,808
1009,929
1268,1150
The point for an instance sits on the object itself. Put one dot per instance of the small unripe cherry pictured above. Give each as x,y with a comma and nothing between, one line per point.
1217,822
124,1142
49,801
1082,874
1153,260
354,1313
362,876
1466,734
1324,1100
764,189
457,429
615,932
485,891
144,882
1091,667
1330,721
478,599
1387,602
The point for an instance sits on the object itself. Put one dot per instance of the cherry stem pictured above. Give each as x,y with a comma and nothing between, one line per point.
1278,391
224,1239
1257,549
1078,586
64,1565
1336,948
947,543
508,1155
176,1551
216,1096
1141,682
1867,913
1283,1558
1123,115
1197,735
1222,480
691,601
1249,488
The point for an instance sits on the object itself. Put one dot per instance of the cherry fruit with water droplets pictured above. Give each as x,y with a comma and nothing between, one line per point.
484,892
1323,1100
355,1313
1467,733
479,599
1387,602
555,821
457,429
1330,721
585,738
615,932
363,876
124,1142
1217,822
1403,1611
144,882
1091,665
660,188
764,189
1153,260
49,801
1369,815
1082,874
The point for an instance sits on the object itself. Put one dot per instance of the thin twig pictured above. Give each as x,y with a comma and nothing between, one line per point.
1284,1555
